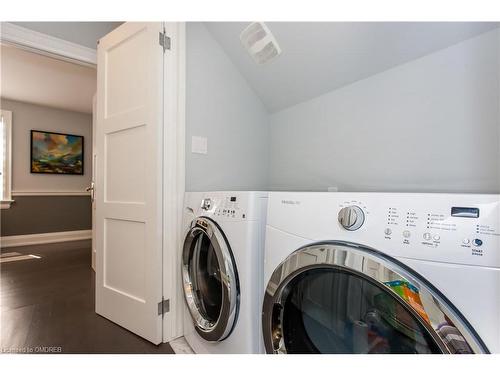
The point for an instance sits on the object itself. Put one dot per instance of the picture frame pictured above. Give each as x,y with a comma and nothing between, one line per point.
56,153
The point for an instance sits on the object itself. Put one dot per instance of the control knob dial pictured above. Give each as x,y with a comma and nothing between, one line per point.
351,217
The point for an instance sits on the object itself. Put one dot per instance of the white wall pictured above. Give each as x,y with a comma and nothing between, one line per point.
26,117
221,106
428,125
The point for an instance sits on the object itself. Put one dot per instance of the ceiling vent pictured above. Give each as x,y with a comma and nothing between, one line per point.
260,42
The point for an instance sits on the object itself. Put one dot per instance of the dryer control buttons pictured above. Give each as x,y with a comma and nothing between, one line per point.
427,236
478,242
351,217
406,234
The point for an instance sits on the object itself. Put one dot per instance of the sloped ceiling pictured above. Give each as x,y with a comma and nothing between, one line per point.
317,57
320,57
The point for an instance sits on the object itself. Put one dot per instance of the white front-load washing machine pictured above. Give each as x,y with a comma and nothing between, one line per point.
222,271
382,273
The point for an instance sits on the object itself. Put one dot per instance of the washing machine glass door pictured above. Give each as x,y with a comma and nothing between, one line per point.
338,297
210,279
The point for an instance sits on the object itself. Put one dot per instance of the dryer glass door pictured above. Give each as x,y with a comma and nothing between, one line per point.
332,311
211,286
345,298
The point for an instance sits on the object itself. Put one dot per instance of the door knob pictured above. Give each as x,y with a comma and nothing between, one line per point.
91,188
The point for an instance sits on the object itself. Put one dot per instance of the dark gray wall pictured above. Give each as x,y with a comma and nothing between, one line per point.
45,214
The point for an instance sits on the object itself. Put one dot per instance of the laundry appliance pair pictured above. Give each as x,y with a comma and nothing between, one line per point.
342,272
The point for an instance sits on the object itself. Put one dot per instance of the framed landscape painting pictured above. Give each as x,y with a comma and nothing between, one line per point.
56,153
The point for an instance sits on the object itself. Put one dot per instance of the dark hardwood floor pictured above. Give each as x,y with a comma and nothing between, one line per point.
47,304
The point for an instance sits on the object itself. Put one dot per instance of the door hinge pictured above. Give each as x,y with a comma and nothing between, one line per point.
164,41
163,306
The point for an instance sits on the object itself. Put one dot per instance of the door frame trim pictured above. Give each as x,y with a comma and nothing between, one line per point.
47,45
174,176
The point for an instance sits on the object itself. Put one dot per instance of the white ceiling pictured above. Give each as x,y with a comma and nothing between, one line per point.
84,33
320,57
33,78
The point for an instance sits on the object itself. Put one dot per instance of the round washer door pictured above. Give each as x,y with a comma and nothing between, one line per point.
210,280
339,297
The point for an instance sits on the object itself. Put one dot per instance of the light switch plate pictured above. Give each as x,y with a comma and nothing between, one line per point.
199,145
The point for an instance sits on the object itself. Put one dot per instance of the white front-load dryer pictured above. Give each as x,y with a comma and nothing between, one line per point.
222,271
382,273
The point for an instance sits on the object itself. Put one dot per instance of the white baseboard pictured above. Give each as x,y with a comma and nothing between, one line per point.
21,193
43,238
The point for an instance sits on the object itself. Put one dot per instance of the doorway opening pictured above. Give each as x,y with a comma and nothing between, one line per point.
47,225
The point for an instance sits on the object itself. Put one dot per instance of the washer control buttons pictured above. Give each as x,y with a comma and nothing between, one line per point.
206,204
478,242
466,241
406,234
427,236
388,231
436,237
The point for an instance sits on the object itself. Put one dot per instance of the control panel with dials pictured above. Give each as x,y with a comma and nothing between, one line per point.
453,228
224,207
228,206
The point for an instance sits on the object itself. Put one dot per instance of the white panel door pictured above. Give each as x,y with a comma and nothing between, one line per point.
129,178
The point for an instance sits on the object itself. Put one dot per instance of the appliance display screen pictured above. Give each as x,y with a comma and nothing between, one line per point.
233,199
465,212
